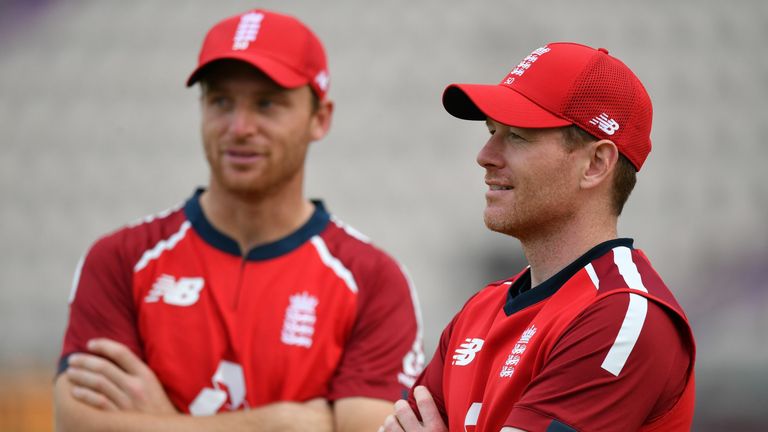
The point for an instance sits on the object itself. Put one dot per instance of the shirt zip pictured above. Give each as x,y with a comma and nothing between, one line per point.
239,287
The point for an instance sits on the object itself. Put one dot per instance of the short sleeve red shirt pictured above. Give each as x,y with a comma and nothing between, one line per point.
319,313
602,345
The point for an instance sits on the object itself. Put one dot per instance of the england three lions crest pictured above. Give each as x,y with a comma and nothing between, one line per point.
300,318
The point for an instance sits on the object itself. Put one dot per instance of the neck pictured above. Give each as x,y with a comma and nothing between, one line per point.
551,251
253,220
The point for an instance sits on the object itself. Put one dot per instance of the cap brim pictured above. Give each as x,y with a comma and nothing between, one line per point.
276,70
502,104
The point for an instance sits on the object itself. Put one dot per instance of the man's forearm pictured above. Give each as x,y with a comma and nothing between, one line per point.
72,415
258,420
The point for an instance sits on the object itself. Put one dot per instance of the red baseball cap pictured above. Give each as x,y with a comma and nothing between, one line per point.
279,45
561,84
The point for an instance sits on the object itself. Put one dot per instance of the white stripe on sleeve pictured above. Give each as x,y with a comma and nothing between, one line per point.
76,280
162,246
414,359
622,256
636,312
628,334
334,264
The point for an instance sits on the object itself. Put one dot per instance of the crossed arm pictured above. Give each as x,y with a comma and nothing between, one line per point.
111,389
405,420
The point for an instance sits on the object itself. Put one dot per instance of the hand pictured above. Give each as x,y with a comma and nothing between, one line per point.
112,378
404,419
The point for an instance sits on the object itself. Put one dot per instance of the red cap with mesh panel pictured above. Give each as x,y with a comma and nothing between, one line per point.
279,45
561,84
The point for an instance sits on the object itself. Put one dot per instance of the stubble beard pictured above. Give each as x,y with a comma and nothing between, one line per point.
503,223
529,221
258,186
269,180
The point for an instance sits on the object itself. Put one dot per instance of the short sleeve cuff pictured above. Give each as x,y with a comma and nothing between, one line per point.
531,420
341,389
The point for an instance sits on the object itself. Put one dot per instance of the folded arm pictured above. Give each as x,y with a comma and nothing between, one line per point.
113,390
74,415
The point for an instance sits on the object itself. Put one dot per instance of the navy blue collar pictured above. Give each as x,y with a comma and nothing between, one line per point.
315,225
520,294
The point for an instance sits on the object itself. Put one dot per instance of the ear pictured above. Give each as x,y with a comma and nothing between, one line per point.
602,155
321,120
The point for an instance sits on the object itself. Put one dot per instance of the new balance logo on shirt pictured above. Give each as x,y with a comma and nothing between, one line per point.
467,351
182,292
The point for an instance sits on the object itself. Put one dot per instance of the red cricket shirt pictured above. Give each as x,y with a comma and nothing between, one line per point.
319,313
601,346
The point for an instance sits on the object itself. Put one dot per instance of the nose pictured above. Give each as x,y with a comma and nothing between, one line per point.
490,156
243,123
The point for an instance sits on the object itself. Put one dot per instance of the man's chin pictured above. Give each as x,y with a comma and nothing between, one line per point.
502,222
496,223
241,186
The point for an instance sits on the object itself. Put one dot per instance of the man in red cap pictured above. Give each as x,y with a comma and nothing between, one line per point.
587,337
248,300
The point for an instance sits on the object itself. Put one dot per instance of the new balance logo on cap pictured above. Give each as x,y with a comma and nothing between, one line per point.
322,80
605,123
467,351
247,30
